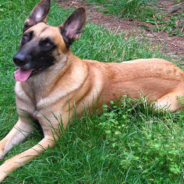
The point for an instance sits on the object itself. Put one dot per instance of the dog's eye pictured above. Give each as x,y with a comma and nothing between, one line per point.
47,43
26,37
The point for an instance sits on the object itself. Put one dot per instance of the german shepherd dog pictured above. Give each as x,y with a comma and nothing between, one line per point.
53,82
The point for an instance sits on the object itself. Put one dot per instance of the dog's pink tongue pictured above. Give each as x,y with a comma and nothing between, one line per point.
21,74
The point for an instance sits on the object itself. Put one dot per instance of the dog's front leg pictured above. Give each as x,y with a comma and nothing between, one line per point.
50,130
18,134
17,161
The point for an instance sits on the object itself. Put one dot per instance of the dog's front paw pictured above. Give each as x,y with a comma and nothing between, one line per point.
1,154
2,158
3,174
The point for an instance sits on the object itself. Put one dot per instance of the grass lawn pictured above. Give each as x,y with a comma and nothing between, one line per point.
132,143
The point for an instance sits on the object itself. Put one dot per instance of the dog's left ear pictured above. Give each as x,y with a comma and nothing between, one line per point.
38,14
72,28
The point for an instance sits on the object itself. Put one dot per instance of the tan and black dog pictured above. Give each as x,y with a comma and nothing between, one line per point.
52,82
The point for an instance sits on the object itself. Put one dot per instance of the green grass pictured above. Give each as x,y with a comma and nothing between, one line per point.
132,143
121,8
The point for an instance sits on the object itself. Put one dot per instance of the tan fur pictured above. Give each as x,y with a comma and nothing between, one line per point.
74,84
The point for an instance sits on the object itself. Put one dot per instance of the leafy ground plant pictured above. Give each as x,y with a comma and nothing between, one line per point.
163,22
130,143
145,139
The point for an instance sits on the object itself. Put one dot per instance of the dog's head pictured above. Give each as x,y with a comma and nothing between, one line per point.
43,45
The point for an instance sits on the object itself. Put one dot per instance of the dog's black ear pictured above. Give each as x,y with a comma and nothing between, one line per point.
72,28
38,14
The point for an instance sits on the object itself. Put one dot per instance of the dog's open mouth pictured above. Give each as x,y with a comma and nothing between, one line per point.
23,74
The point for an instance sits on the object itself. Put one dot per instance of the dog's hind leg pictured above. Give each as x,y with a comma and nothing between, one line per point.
18,134
171,101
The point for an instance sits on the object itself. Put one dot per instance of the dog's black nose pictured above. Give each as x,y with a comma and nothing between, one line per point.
19,59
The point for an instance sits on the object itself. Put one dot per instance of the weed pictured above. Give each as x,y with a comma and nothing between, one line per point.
153,154
167,24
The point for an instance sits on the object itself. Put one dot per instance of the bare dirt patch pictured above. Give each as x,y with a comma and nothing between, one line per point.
174,44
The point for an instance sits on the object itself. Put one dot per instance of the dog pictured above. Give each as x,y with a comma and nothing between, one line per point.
52,82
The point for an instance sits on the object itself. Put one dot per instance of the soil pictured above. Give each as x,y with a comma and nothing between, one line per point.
174,44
